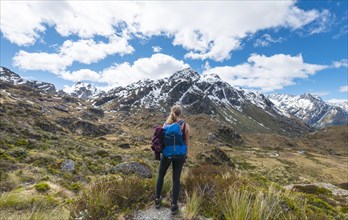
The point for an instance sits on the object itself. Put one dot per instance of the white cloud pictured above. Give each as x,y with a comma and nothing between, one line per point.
207,29
337,101
344,88
156,67
343,31
343,103
156,49
323,23
81,75
41,61
83,51
265,40
88,51
267,73
341,63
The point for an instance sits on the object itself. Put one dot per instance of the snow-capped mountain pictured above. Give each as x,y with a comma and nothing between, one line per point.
13,78
203,94
83,91
311,109
343,105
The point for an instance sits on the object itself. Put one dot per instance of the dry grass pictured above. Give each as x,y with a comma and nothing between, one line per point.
20,204
193,205
111,196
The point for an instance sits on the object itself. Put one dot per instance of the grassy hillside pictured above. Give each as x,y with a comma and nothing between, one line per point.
229,175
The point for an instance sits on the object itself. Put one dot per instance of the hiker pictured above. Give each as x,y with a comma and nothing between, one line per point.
176,142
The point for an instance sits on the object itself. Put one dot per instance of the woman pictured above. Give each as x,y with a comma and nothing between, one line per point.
176,157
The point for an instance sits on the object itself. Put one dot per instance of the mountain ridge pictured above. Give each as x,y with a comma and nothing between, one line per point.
199,93
311,109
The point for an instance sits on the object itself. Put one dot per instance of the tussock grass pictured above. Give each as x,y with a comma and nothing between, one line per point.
20,204
20,200
193,205
36,213
110,196
226,194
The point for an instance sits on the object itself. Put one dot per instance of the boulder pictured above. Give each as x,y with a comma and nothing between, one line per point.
68,165
124,146
132,168
216,157
211,138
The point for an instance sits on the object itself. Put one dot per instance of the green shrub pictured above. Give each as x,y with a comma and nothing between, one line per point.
5,156
42,187
18,153
312,189
319,205
22,142
75,187
45,178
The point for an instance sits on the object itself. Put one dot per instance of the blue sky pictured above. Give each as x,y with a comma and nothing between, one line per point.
290,47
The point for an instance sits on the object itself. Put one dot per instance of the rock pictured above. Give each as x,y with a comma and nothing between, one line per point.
102,153
334,189
216,157
229,135
133,168
4,146
68,165
302,152
116,157
211,138
124,146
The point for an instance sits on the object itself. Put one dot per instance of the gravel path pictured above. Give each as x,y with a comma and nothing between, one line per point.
157,214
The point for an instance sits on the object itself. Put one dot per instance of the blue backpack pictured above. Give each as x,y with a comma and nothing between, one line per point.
174,137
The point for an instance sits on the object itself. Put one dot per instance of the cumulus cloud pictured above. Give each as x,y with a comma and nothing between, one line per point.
156,67
88,51
207,30
81,75
344,88
83,51
41,61
267,73
156,49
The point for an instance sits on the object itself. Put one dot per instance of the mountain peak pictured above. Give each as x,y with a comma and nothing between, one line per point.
310,97
187,74
82,90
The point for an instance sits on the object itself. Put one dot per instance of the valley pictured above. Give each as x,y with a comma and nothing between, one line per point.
57,151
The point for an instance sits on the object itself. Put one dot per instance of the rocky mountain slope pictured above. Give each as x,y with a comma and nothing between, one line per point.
203,94
208,95
13,78
311,109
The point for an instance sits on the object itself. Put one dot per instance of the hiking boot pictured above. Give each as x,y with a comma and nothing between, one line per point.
158,203
174,209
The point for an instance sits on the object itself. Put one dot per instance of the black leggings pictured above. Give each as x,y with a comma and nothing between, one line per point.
177,167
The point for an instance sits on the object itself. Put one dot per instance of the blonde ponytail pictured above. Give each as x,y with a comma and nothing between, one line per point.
174,114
